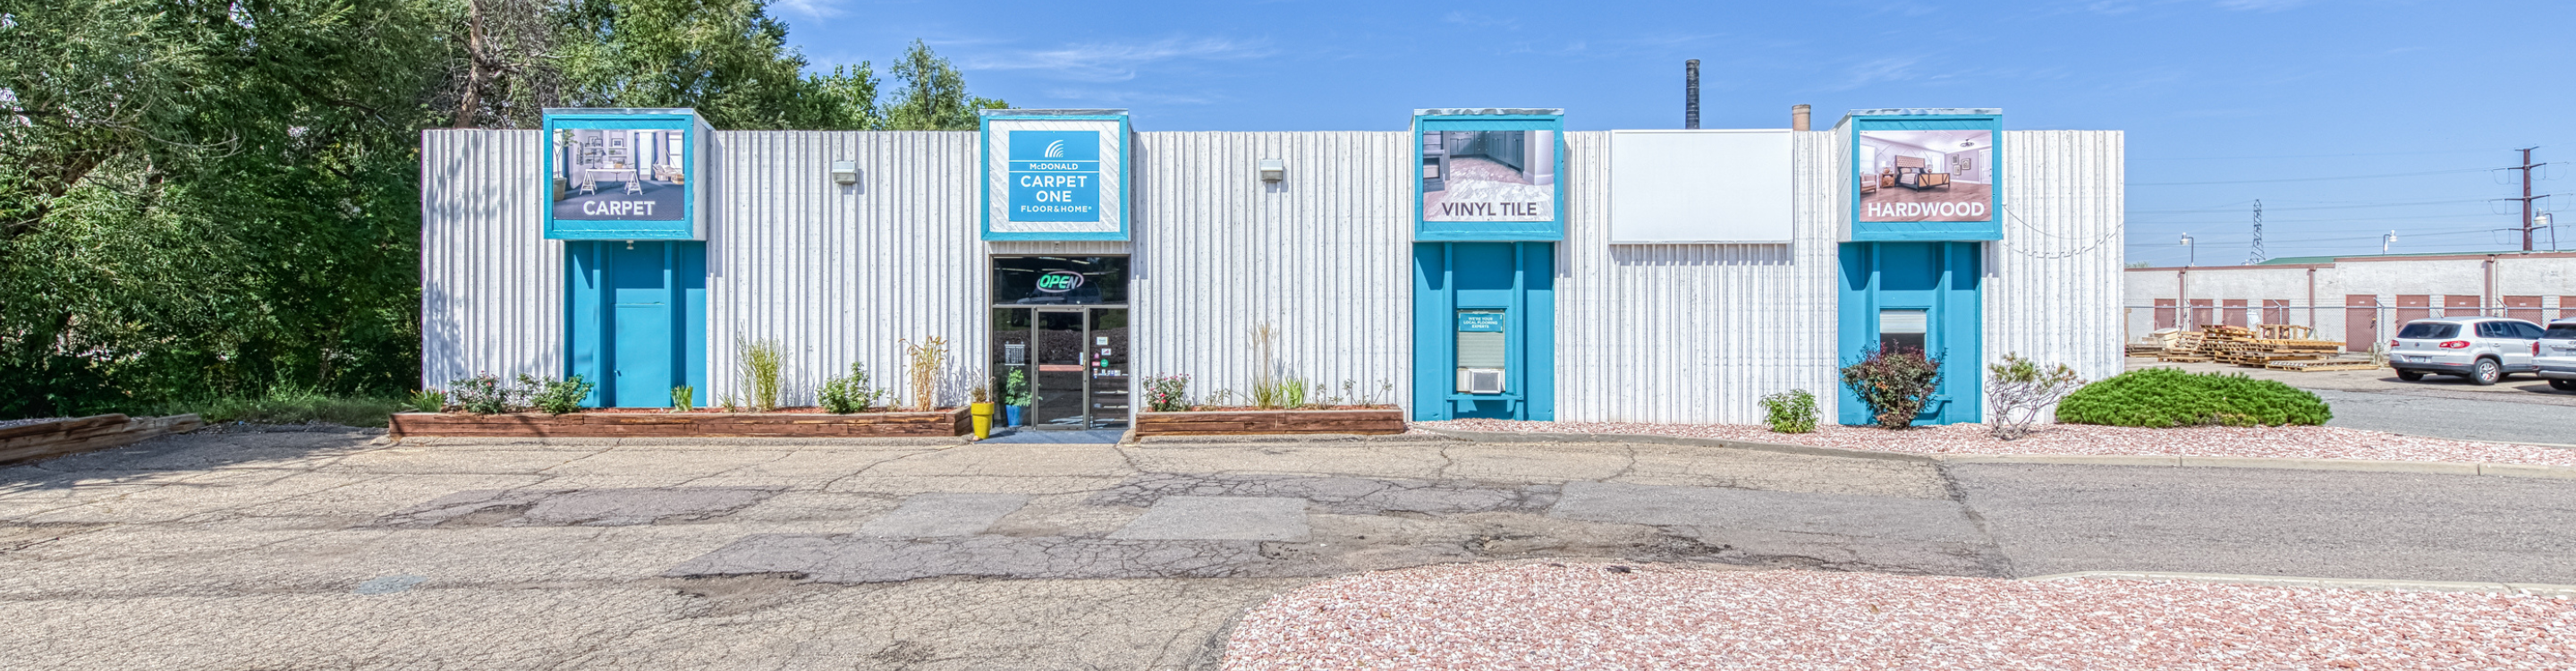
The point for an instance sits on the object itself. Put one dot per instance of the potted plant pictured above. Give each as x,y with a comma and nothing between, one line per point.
980,403
1015,396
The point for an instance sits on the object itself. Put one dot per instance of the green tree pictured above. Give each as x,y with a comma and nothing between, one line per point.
208,197
931,94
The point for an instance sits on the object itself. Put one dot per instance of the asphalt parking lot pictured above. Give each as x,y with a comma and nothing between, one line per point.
322,549
2521,408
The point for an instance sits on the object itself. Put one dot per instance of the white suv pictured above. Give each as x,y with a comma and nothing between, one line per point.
2482,349
2557,355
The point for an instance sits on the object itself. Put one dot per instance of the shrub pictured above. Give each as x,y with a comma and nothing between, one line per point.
761,369
1168,393
426,400
2017,390
556,397
1894,383
1792,411
850,393
684,398
486,394
2168,397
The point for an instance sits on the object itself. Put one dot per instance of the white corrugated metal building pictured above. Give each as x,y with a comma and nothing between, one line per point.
841,246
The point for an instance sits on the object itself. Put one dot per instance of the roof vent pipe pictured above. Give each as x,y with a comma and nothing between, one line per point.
1690,104
1798,117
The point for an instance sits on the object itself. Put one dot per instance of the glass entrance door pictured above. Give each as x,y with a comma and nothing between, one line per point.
1066,368
1060,376
1059,357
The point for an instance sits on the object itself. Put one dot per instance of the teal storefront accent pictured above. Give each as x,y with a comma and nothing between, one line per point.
1908,292
1532,125
1481,306
634,191
635,320
1990,228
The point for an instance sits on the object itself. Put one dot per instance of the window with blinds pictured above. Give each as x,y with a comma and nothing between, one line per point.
1481,355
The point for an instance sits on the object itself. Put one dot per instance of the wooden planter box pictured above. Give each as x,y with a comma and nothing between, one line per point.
936,423
98,432
1372,421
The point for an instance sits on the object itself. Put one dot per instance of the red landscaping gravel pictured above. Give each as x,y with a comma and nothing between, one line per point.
1588,616
2303,442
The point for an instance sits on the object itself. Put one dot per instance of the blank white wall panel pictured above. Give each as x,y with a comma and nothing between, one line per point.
2053,284
1676,333
1699,186
843,274
1325,255
491,288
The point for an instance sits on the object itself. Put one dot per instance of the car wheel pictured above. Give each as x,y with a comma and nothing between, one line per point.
2563,385
2486,372
2411,375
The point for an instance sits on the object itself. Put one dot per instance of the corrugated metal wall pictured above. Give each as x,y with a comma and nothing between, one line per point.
1694,333
841,274
1324,255
491,295
2053,284
1646,333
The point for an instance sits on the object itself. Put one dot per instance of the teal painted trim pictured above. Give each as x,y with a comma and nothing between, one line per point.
690,289
1103,235
1447,118
1425,230
1924,234
1440,231
1126,179
686,226
624,230
585,319
1433,287
1529,316
1928,231
588,321
1538,307
1955,330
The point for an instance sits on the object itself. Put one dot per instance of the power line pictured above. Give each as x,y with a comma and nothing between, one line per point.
2315,179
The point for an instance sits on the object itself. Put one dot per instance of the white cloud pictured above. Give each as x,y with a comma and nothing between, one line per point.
1112,62
820,9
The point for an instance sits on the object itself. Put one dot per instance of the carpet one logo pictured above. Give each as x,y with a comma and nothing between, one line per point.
1055,176
1925,175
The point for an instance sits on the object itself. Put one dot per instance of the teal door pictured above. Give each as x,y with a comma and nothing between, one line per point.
635,320
1916,295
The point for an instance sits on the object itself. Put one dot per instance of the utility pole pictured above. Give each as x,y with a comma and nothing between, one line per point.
2257,255
2526,198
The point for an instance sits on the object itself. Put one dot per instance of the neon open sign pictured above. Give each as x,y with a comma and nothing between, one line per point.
1059,281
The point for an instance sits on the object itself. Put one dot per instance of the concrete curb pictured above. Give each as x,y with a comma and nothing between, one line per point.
432,441
2364,465
1808,450
2363,584
1254,439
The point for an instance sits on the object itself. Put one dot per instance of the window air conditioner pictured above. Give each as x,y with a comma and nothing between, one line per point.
1480,380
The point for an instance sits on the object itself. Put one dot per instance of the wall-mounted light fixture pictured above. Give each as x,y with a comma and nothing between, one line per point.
845,173
1273,170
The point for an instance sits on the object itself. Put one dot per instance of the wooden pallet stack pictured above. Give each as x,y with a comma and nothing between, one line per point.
2278,347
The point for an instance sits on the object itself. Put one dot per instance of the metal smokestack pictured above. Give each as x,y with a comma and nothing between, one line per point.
1690,108
1797,117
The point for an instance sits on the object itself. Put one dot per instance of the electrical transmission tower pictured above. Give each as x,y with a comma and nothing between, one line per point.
2256,256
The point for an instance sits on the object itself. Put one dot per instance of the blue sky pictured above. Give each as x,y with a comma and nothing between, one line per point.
2346,119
